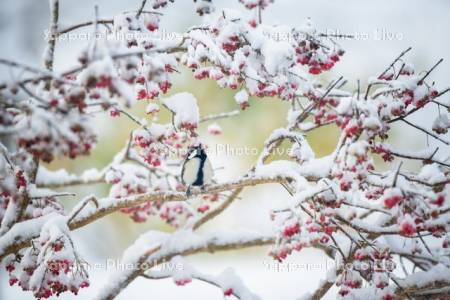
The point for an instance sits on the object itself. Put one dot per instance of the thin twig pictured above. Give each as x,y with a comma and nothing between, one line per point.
141,8
84,24
430,70
387,69
426,131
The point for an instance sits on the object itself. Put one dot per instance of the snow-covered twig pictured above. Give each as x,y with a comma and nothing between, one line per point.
49,53
219,116
227,281
84,24
154,248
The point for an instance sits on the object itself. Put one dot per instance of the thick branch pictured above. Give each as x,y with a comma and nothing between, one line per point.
107,206
159,254
50,50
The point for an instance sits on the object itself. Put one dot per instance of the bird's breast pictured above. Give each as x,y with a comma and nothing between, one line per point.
190,170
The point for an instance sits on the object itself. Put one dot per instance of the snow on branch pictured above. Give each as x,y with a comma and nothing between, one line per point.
227,281
106,206
153,248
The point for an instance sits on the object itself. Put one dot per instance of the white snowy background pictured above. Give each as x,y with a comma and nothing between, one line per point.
384,28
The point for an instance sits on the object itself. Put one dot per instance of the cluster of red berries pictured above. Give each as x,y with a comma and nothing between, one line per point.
130,180
348,280
281,252
415,92
12,188
376,264
154,148
56,127
384,151
290,230
318,59
204,206
294,238
49,274
46,144
353,167
408,227
235,70
392,197
127,181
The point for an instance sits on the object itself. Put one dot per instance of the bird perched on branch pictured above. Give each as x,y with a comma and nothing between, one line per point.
197,169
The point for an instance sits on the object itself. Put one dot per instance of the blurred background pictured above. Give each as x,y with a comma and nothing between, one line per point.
382,29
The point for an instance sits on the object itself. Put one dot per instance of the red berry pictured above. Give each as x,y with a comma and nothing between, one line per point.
152,26
114,113
13,280
315,70
228,292
291,230
407,228
392,201
142,94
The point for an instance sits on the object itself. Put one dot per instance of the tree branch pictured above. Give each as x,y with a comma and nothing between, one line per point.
163,252
107,206
50,50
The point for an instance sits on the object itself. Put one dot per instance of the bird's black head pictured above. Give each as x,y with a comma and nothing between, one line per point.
196,151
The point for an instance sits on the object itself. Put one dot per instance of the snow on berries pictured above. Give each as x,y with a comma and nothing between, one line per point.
51,266
432,173
204,7
407,226
241,98
291,229
214,129
392,197
185,110
441,124
152,109
128,179
254,58
151,21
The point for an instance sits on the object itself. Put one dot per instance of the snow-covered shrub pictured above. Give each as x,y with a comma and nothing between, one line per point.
367,219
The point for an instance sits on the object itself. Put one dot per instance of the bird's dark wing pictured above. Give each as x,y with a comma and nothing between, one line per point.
182,171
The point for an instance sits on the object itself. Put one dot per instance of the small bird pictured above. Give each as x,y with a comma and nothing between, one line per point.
197,169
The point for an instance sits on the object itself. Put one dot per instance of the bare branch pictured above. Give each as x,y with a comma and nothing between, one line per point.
430,70
84,24
219,116
427,132
141,8
387,69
